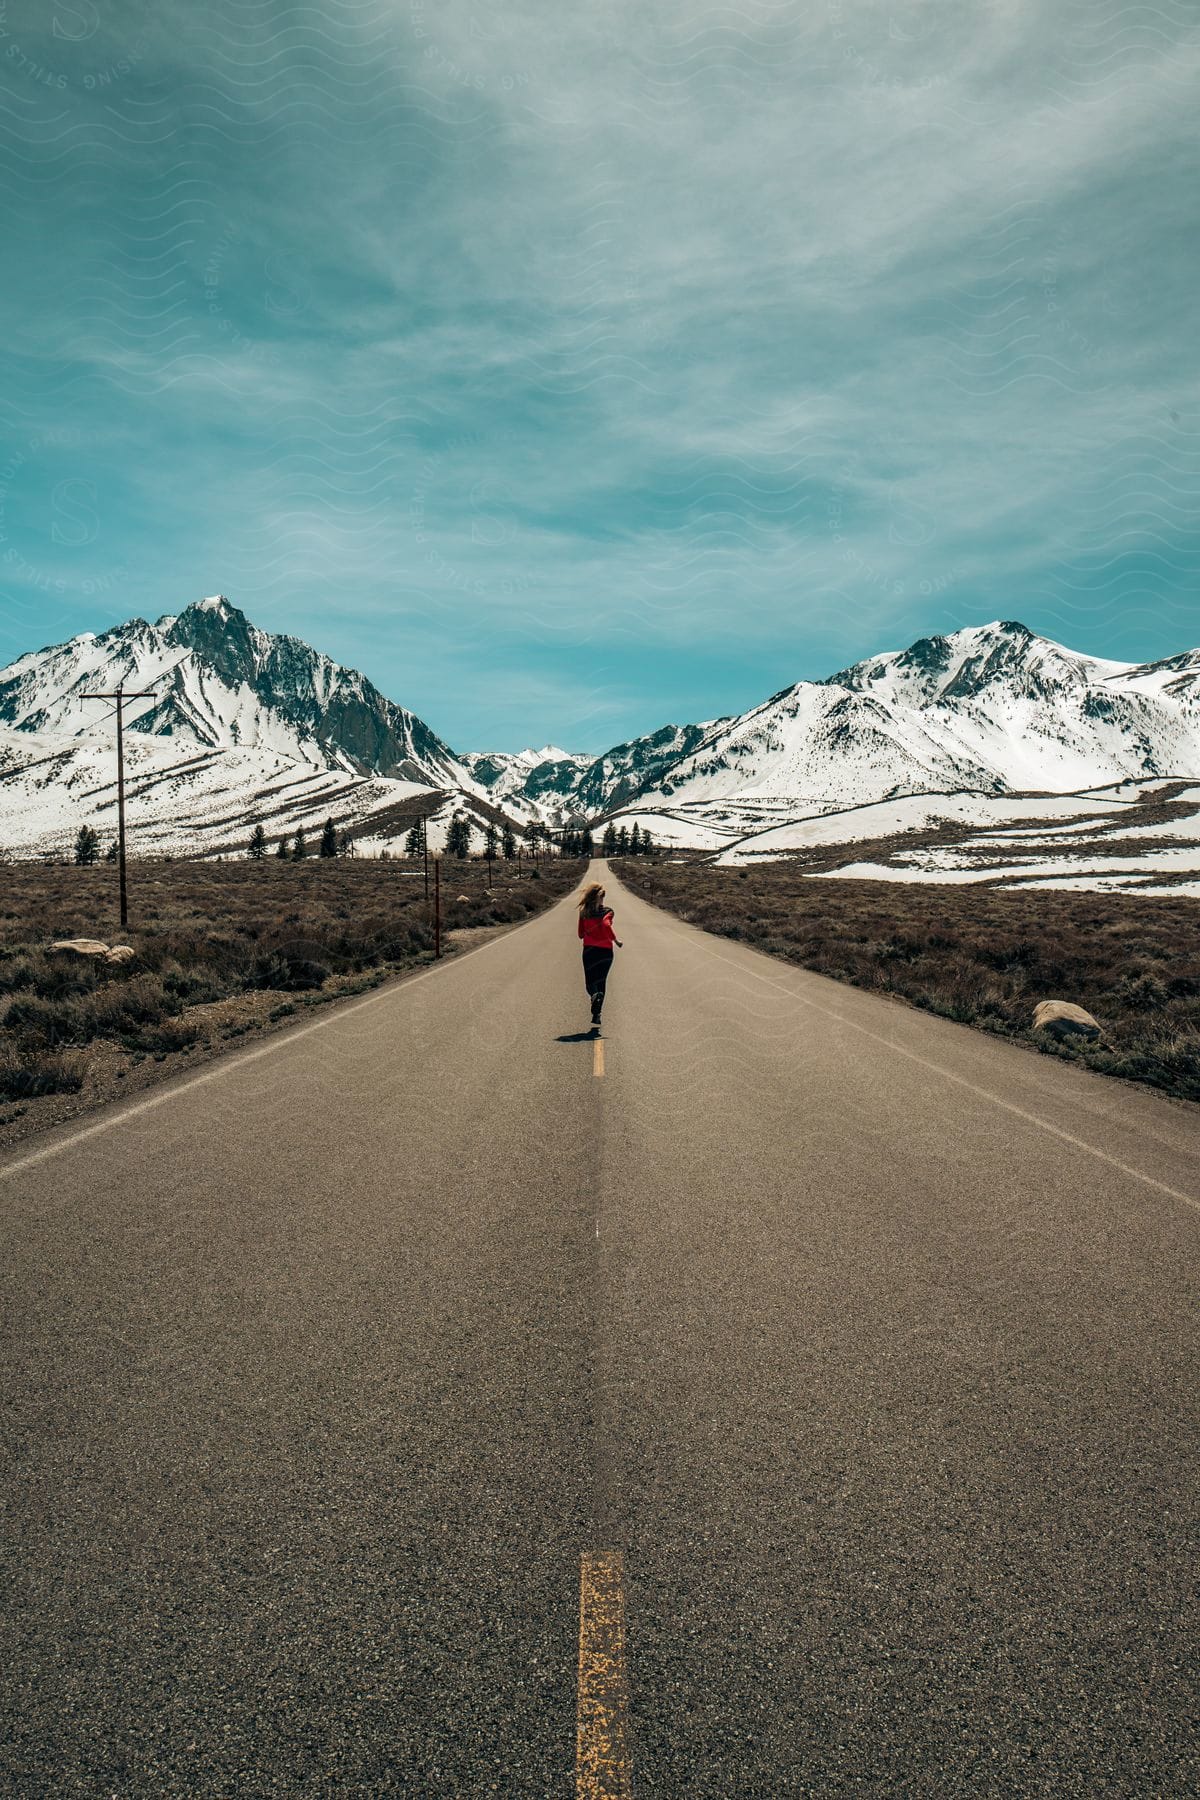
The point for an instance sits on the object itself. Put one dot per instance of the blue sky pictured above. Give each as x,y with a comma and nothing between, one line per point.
575,369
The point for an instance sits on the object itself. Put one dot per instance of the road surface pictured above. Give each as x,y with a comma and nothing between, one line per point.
850,1355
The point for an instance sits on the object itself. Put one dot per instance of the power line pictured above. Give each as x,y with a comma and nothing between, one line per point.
120,696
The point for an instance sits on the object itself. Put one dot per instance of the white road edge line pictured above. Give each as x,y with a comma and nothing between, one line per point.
224,1065
1019,1112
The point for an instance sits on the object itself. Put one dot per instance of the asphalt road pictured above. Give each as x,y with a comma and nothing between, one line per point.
869,1341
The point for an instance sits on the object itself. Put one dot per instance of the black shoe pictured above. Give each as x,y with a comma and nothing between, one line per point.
597,1003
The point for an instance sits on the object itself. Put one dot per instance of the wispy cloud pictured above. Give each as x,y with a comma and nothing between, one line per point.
623,364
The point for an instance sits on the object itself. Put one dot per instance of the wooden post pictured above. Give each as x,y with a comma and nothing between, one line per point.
437,906
121,810
120,696
425,848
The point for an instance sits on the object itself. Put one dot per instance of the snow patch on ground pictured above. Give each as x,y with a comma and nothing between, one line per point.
670,831
912,812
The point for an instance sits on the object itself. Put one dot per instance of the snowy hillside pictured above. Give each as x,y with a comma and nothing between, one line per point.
242,724
558,787
992,708
178,797
221,683
531,784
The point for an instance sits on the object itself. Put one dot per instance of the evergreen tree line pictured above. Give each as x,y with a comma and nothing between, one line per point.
539,840
577,843
626,842
87,848
332,843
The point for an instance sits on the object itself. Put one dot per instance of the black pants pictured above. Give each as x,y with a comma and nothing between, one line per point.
596,964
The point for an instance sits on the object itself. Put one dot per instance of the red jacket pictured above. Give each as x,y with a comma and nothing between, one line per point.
597,934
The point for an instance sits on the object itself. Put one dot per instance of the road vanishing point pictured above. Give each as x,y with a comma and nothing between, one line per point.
793,1394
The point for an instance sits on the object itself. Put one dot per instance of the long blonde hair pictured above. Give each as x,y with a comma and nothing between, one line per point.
590,905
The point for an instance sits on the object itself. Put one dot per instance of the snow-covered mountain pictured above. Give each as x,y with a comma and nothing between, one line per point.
540,784
239,725
244,724
558,787
993,708
218,683
617,777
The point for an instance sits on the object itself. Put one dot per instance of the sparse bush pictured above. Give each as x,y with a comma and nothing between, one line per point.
62,977
17,973
1144,991
161,1040
35,1074
289,973
141,1001
37,1023
195,987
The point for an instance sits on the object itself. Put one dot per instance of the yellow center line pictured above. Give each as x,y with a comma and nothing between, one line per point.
598,1056
603,1764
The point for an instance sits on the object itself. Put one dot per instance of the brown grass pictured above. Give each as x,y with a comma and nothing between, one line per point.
982,956
223,949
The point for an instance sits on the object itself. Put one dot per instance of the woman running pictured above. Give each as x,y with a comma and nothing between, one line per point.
596,930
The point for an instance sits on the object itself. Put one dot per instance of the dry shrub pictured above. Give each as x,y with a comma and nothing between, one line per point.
31,1074
979,955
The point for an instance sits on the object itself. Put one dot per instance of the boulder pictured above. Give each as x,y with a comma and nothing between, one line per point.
121,953
465,899
91,947
1063,1019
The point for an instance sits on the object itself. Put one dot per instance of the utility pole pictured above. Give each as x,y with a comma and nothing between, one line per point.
437,906
425,848
120,696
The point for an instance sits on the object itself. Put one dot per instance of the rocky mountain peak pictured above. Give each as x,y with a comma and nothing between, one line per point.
221,635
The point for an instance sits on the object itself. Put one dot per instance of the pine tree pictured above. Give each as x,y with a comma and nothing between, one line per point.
623,841
329,845
608,842
258,842
300,847
458,838
412,843
281,849
508,844
345,844
647,843
490,840
587,844
87,843
533,837
635,840
113,852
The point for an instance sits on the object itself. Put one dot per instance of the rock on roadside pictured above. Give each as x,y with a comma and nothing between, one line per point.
91,949
1061,1018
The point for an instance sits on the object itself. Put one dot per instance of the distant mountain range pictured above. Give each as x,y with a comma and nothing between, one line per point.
244,724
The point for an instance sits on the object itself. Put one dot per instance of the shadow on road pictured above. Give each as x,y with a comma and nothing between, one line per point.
579,1037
